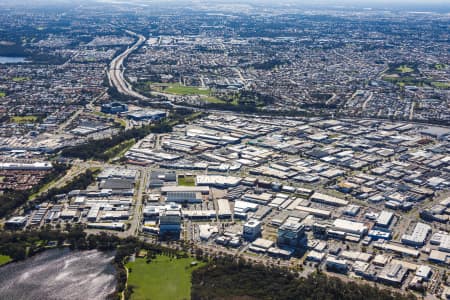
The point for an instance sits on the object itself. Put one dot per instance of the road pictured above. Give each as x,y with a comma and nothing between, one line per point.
137,214
116,69
116,75
63,126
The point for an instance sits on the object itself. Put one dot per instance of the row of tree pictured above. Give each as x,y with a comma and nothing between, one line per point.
230,279
97,149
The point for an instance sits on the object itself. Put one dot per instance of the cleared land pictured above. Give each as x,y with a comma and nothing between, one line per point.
2,94
405,69
24,119
179,89
440,66
164,278
183,90
186,180
441,85
4,259
20,79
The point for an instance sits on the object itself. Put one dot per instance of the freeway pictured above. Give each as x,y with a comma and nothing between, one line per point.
117,79
116,69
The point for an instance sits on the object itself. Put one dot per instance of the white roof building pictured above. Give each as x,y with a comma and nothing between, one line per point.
350,226
418,236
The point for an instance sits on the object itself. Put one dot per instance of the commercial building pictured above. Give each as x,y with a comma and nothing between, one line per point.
16,222
418,236
397,249
114,108
445,243
263,198
291,234
184,197
335,264
261,245
350,227
108,226
329,200
169,224
218,180
146,115
322,213
170,221
223,208
251,230
200,189
384,219
393,274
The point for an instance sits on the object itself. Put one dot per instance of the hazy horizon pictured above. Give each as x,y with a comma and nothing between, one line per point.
297,2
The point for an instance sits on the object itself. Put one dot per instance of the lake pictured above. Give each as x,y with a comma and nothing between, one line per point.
60,274
12,60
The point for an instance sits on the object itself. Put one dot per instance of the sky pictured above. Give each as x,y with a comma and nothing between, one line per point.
330,2
358,3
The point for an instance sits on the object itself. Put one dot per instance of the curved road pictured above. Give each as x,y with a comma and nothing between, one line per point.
116,69
117,79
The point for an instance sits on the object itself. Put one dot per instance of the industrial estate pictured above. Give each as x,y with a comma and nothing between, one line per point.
308,140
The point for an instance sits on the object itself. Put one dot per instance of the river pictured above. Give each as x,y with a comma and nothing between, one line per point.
59,274
12,60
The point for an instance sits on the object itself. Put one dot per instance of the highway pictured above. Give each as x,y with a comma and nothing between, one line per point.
117,79
116,69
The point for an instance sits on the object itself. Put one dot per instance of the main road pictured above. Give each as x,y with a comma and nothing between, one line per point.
116,75
116,69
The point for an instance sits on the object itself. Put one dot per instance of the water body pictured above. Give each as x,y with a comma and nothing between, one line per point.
59,274
12,60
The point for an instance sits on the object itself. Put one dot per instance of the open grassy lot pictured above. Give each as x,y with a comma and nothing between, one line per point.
186,180
2,94
4,259
164,278
441,85
187,90
179,89
24,119
440,66
405,69
20,79
121,122
211,99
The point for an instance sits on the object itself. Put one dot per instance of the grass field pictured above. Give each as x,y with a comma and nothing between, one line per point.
442,85
20,79
2,94
404,69
162,279
24,119
187,90
186,180
4,259
213,100
440,66
121,122
179,89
